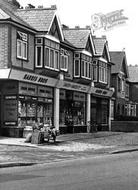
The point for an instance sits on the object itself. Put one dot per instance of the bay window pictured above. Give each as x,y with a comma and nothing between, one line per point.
51,58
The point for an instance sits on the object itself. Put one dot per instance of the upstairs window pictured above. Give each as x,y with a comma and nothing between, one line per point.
39,52
22,45
51,58
86,66
102,72
121,84
94,71
39,56
127,90
64,58
76,68
51,55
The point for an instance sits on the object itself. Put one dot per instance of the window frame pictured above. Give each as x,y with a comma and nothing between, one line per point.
78,67
86,70
103,73
95,67
36,58
64,56
23,40
49,66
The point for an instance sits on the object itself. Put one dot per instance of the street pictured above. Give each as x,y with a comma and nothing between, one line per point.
116,172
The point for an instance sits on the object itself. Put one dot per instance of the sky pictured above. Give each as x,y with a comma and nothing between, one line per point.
79,13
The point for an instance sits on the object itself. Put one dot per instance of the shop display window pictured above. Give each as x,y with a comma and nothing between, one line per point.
72,112
30,112
48,113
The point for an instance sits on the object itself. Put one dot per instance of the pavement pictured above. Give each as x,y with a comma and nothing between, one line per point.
16,152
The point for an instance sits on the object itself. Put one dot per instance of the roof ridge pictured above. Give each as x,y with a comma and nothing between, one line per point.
76,29
34,9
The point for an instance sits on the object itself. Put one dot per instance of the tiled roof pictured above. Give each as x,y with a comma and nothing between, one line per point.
99,44
117,58
133,73
40,19
8,12
77,37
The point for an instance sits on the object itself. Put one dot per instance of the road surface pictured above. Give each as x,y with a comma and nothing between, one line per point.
108,172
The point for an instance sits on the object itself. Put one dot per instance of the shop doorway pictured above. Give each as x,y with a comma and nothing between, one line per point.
99,112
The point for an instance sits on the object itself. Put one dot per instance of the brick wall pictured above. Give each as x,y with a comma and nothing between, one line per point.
4,46
29,64
124,126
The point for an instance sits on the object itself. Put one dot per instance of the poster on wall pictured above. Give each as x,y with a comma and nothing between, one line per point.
10,110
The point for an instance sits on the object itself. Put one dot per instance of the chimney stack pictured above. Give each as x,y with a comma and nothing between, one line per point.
54,7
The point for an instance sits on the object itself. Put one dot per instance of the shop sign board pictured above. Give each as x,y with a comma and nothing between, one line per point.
77,96
32,78
73,86
101,92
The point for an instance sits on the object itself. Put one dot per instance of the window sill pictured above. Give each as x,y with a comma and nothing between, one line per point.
86,78
103,82
65,70
50,68
23,59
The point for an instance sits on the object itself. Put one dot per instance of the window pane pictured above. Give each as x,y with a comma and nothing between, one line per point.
52,58
56,60
19,48
47,57
62,61
76,67
82,68
24,50
95,72
39,56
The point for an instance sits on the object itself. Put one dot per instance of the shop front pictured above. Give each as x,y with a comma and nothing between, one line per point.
72,111
100,108
24,104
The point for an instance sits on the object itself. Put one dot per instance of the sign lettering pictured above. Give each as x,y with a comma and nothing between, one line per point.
33,78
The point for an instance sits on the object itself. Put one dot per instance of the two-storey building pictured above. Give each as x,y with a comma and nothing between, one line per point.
49,73
92,67
101,97
120,81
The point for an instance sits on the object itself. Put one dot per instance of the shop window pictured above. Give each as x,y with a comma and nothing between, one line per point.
76,68
10,110
22,45
133,110
72,108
